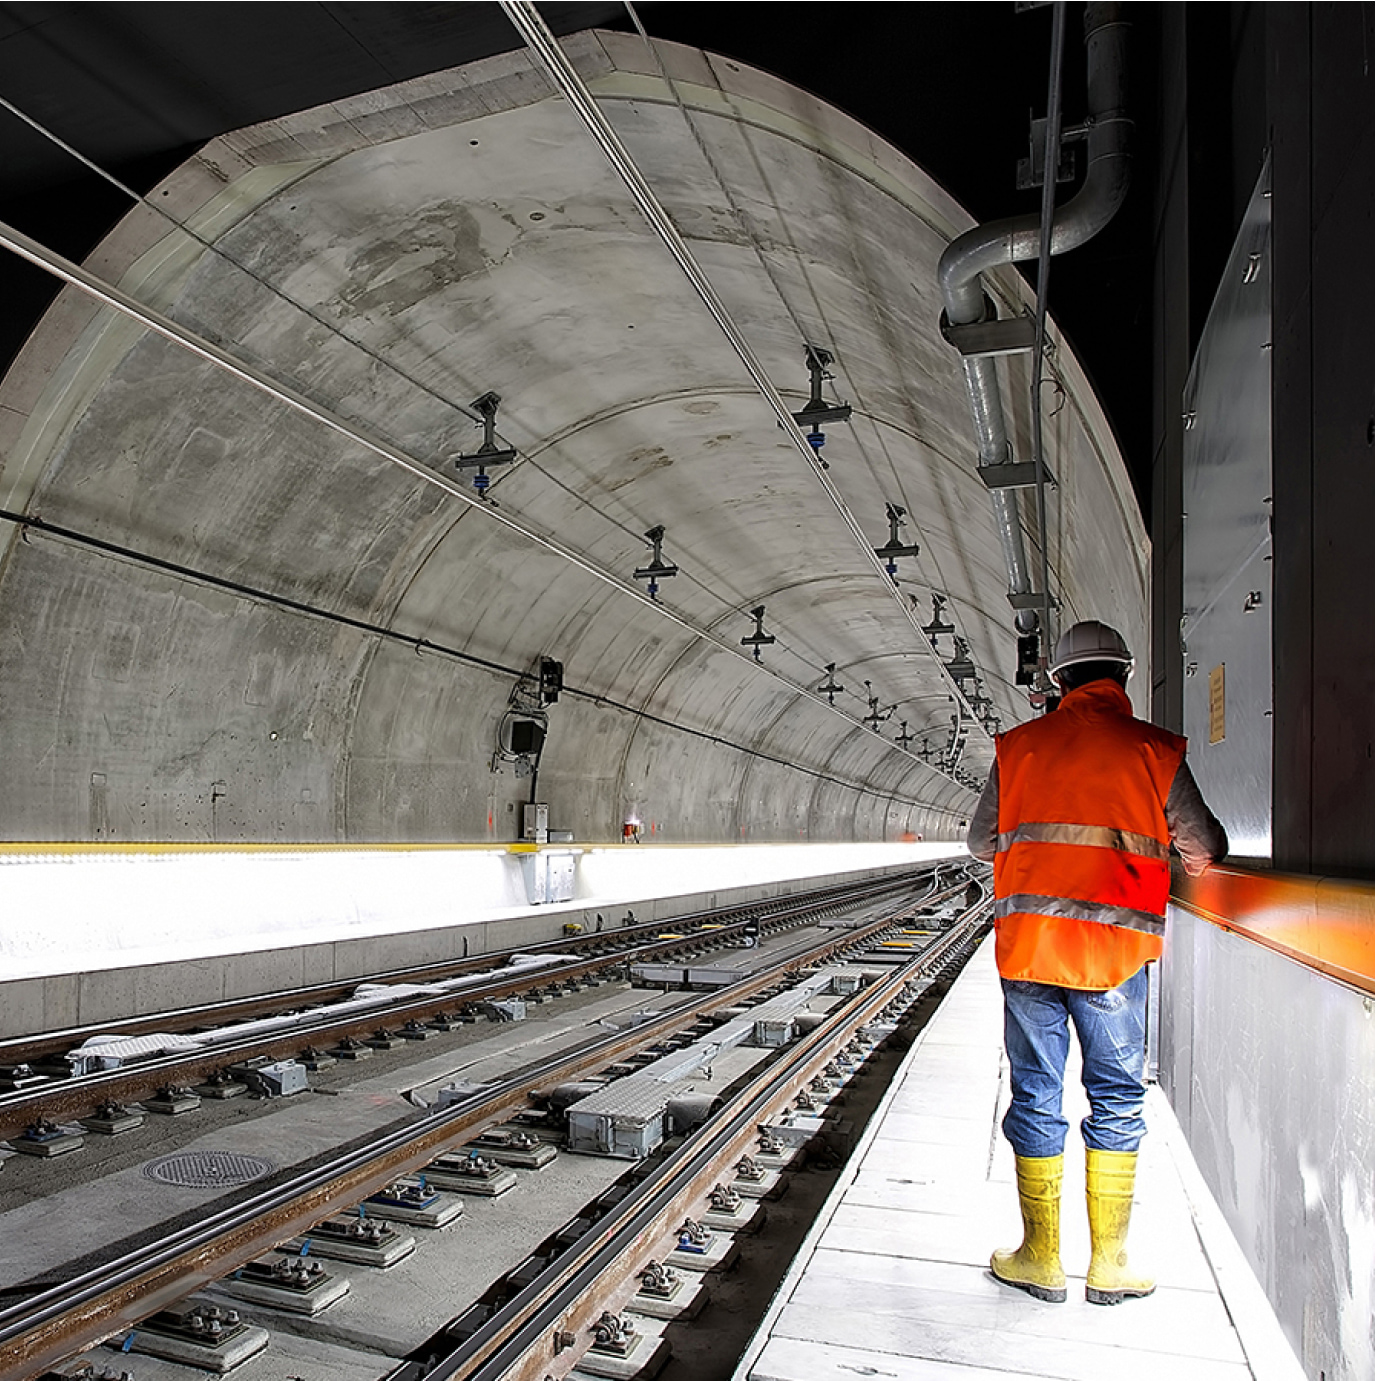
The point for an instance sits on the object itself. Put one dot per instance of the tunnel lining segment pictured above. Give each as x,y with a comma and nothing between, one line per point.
568,81
420,612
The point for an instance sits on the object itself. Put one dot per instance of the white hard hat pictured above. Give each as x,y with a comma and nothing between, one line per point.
1090,641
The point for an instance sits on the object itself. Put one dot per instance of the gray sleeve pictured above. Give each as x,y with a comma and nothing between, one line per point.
1195,831
982,832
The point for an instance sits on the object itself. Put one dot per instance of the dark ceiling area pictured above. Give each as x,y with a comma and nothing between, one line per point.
138,87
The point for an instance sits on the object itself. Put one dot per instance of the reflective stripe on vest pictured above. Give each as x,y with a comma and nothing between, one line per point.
1069,908
1095,836
1082,839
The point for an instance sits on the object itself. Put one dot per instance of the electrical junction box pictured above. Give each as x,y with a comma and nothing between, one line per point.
536,820
773,1032
279,1079
626,1119
549,876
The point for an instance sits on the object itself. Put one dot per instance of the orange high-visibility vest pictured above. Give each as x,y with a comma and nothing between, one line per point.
1082,864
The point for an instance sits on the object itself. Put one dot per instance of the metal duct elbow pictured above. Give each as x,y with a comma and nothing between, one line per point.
1105,34
1017,238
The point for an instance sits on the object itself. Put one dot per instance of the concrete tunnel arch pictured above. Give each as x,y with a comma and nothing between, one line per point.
396,255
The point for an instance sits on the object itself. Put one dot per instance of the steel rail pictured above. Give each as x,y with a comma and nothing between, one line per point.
53,1324
516,1343
71,1096
18,1049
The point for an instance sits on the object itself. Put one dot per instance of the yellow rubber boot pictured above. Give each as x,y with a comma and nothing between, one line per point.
1111,1183
1034,1266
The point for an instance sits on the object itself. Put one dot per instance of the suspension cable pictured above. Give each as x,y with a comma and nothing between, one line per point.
753,240
1052,139
568,82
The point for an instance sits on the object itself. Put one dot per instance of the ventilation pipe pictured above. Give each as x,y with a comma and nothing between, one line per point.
1017,238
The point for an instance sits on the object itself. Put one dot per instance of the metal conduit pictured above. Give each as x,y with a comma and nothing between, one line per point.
1017,238
551,58
1053,118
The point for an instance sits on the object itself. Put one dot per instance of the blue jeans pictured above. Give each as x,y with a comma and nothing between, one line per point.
1111,1034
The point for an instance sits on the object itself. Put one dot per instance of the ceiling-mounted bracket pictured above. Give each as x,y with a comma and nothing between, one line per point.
657,569
894,546
818,360
1030,600
830,687
817,412
1013,335
875,716
757,639
1030,170
489,452
1020,475
937,626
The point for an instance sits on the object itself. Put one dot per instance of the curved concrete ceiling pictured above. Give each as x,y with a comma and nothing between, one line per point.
337,647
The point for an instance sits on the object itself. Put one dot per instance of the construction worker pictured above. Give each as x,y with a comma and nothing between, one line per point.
1078,815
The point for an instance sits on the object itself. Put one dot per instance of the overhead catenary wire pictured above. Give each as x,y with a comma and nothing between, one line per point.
210,246
389,364
633,530
151,319
568,82
221,253
750,237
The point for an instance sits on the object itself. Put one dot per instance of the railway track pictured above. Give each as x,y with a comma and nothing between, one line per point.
514,1337
38,1085
548,1328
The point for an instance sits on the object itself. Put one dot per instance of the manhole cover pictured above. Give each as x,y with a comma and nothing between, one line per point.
207,1169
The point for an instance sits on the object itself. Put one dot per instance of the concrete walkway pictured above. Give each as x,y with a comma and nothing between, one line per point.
893,1282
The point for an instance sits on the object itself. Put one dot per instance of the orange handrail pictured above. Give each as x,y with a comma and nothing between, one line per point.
1326,923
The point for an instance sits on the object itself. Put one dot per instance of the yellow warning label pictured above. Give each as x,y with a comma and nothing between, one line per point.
1217,704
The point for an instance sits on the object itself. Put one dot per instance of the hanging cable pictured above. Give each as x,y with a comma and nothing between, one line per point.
750,238
221,253
568,82
634,530
116,298
26,522
734,600
1053,114
113,297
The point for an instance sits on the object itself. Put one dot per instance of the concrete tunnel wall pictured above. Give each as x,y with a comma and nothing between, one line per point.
398,254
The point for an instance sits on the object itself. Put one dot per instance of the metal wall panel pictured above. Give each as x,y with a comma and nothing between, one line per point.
1270,1068
1228,682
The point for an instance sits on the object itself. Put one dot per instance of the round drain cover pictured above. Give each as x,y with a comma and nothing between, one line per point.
207,1169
